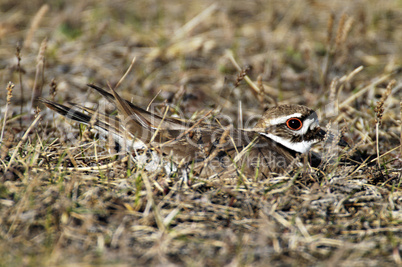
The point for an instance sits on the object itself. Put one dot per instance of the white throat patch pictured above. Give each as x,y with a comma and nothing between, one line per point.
301,147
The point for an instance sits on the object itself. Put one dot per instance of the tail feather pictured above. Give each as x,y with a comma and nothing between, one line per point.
130,115
66,111
147,118
102,122
126,108
132,122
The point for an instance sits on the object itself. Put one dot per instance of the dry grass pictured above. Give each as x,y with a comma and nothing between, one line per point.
65,200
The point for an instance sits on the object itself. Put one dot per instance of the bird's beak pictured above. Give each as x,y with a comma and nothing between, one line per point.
330,137
321,133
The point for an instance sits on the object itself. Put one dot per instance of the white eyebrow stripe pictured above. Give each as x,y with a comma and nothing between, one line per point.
281,120
308,124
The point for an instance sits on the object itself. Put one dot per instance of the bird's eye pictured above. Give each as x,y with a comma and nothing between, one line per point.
294,124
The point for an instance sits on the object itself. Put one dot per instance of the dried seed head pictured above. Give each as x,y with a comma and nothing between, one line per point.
37,111
379,109
53,89
242,74
346,29
340,31
18,52
10,87
330,26
333,89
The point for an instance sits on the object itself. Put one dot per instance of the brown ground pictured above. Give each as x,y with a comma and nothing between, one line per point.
61,203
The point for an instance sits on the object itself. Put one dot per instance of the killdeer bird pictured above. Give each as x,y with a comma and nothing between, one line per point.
281,134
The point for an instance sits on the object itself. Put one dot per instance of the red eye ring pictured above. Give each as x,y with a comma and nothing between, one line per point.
294,124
